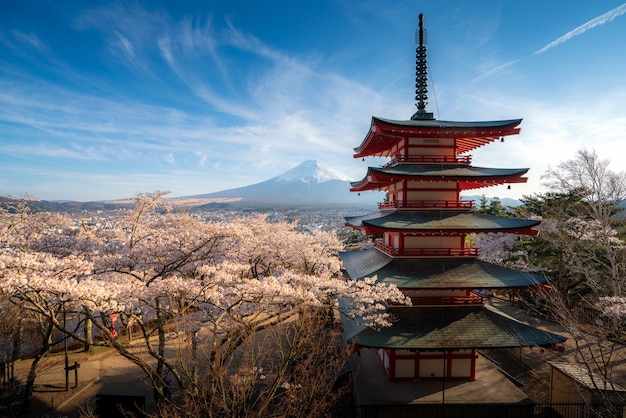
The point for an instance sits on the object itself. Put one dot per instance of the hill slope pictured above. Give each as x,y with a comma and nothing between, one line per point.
308,185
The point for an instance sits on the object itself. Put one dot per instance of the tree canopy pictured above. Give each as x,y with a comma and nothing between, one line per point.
220,282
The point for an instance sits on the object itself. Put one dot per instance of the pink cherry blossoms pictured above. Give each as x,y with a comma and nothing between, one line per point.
153,266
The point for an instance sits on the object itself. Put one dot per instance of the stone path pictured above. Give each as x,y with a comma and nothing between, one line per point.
105,373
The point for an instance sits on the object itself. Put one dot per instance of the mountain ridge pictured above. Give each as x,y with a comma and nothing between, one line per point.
310,184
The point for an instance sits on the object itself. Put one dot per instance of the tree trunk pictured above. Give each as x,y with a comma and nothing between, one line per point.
88,334
17,337
161,389
32,373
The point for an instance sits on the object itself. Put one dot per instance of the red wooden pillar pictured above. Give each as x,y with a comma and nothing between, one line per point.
473,366
391,373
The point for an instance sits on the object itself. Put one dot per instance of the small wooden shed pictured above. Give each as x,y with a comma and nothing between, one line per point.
574,383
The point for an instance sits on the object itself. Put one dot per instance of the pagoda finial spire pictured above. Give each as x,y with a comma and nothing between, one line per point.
421,74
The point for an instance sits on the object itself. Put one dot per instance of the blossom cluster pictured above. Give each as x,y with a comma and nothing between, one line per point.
150,259
613,307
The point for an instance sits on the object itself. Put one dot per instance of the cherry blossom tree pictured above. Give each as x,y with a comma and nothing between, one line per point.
37,272
581,246
165,273
299,379
601,193
614,309
505,250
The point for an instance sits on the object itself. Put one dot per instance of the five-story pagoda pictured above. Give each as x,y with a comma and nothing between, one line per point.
422,245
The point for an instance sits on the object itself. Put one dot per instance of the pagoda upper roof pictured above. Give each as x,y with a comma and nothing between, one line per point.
467,176
437,328
440,221
385,133
452,273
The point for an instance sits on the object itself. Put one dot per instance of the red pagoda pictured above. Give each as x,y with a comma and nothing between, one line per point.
422,245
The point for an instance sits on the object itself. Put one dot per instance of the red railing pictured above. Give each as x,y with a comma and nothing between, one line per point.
430,159
471,299
426,252
428,204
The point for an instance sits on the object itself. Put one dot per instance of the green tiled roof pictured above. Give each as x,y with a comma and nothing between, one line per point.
365,263
448,170
384,133
434,123
449,328
435,274
440,221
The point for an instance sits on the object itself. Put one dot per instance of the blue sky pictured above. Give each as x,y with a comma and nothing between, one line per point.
99,100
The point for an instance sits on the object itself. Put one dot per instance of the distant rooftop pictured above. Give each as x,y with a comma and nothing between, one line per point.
581,374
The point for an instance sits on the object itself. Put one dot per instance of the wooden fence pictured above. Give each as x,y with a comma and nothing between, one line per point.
482,410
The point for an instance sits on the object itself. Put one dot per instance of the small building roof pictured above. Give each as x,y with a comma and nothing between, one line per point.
449,328
385,133
449,273
467,177
440,221
584,377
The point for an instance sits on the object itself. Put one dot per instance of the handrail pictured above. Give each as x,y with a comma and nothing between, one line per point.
427,204
426,252
472,299
430,159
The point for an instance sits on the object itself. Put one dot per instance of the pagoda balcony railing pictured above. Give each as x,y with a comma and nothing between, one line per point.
429,159
471,299
426,252
428,204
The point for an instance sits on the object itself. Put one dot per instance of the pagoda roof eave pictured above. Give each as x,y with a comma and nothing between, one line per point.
440,274
454,171
449,328
446,124
440,222
364,186
468,177
384,133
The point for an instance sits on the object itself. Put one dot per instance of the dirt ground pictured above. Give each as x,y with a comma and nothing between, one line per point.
50,397
527,367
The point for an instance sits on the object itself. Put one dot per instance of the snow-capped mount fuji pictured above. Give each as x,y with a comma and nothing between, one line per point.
311,171
308,185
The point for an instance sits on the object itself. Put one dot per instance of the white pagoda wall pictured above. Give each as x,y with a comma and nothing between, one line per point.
423,195
430,147
415,365
433,242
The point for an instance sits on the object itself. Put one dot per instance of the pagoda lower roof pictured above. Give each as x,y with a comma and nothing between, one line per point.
440,222
440,274
385,133
449,328
468,177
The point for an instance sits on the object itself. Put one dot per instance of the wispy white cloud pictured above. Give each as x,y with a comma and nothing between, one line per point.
225,107
598,21
246,42
551,131
129,32
202,157
165,47
52,151
495,70
127,46
30,39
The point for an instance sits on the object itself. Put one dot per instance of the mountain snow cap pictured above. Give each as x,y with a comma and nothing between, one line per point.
311,171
